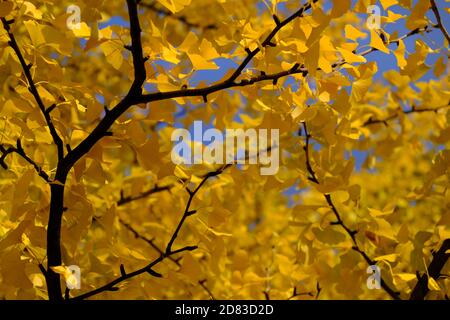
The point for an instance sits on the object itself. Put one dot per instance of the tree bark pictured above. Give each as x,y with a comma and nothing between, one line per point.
54,240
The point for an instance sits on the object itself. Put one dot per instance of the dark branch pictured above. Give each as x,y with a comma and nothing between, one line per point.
21,152
440,258
274,77
136,48
299,294
124,200
385,121
202,283
151,242
231,81
351,233
32,88
439,20
132,98
186,214
168,252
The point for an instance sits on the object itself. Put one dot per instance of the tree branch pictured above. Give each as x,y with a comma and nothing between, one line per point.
21,152
274,77
439,20
111,286
187,211
202,283
124,200
136,48
351,233
295,294
231,81
151,242
32,88
372,121
167,253
434,271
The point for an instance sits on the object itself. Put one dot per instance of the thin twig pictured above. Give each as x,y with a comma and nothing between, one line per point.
339,221
439,20
156,189
21,152
32,88
385,121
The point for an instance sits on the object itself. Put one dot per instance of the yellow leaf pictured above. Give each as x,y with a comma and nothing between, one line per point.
377,213
181,173
376,42
439,67
5,8
57,182
388,257
350,57
388,3
113,52
191,268
433,285
417,19
216,233
406,276
400,54
352,33
35,31
340,7
59,269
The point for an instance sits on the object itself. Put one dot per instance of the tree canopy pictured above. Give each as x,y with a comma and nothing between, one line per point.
92,92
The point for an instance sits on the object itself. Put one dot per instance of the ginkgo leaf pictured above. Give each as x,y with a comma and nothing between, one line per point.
113,51
389,257
376,42
352,33
174,5
406,276
6,8
433,285
388,3
417,19
400,54
439,67
200,63
350,57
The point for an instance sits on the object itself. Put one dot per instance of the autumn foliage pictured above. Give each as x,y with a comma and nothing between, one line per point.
87,179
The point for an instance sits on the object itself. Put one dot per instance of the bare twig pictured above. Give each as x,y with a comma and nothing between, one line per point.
202,283
156,189
135,95
295,294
